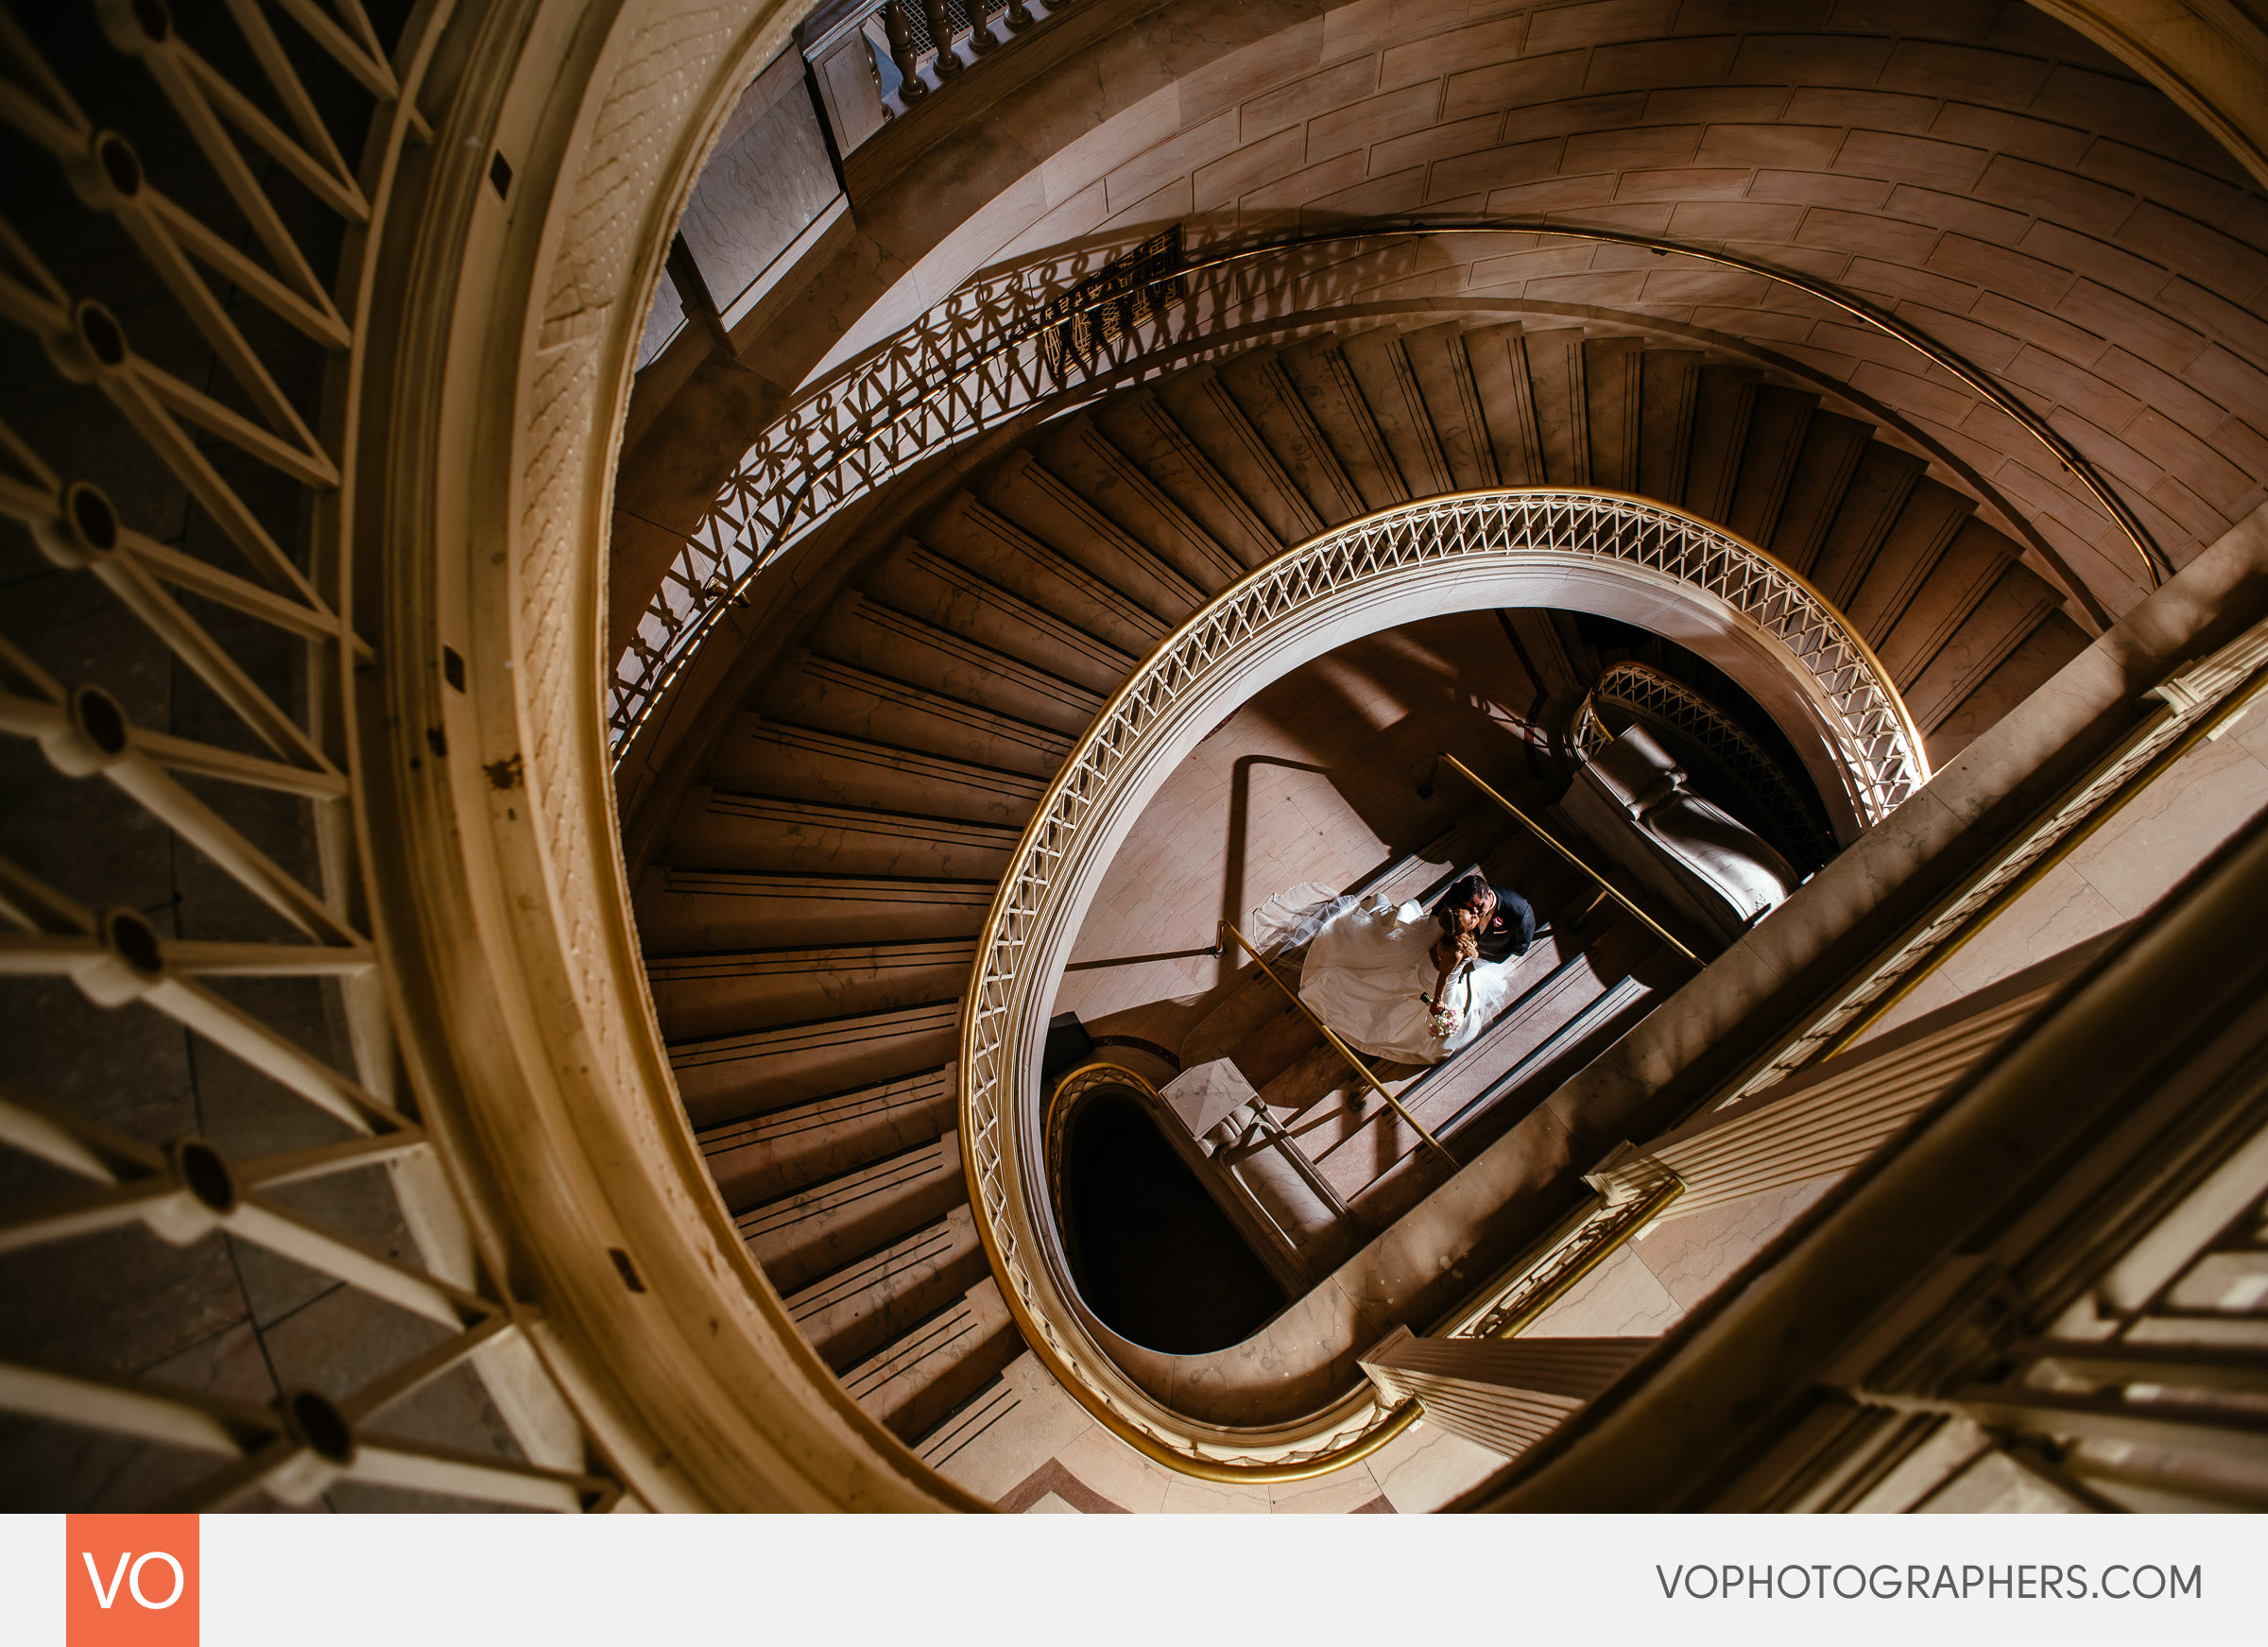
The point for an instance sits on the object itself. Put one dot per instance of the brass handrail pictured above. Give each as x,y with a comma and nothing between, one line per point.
1545,835
1229,929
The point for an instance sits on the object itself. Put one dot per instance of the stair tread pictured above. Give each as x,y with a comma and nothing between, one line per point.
775,1153
876,636
1216,425
1087,459
1148,434
1023,490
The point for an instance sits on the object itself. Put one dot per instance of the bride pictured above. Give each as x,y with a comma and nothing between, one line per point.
1394,981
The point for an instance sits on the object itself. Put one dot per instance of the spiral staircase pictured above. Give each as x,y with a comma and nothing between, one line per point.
402,1201
808,927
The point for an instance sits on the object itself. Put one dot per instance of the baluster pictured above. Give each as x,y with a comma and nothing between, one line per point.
1018,17
948,65
981,40
910,86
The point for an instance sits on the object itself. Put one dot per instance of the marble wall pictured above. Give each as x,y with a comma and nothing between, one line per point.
768,180
2116,874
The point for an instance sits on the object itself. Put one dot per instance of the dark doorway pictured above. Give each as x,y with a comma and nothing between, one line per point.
1157,1258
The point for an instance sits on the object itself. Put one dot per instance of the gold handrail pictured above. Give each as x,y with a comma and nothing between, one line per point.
1229,928
1612,891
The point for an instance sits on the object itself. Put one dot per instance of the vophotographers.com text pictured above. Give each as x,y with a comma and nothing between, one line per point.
2023,1582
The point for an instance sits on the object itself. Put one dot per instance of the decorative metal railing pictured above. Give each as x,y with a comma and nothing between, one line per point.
1067,326
1650,695
1266,622
185,889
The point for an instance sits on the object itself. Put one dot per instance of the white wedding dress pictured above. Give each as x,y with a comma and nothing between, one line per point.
1370,967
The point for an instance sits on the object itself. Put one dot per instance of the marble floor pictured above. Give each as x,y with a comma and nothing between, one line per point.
1314,779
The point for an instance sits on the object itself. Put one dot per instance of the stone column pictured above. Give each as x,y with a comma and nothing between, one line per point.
1503,1394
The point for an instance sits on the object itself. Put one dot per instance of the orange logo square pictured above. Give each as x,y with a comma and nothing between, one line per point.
130,1581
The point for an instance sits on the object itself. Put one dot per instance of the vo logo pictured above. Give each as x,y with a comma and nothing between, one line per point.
130,1581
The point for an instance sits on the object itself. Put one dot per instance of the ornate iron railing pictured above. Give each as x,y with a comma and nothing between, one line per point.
1296,606
1651,695
1067,326
185,887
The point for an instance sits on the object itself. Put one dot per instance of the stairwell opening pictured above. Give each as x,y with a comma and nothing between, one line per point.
1153,1255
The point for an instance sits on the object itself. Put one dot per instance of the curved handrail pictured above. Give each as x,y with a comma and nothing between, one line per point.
1307,599
908,396
1667,700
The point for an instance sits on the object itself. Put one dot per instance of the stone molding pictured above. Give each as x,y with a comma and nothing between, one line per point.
504,908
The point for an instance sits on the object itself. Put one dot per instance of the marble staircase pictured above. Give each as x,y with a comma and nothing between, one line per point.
807,923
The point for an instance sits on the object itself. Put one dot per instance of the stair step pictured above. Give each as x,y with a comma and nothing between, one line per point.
683,911
1832,445
915,1383
1562,404
1535,1025
1085,460
2052,644
1264,393
1562,995
865,632
1885,479
724,829
716,994
1911,550
1054,513
989,544
730,1077
1379,367
1670,383
823,695
863,1306
1417,1171
1316,1078
918,581
760,1157
1149,437
1963,575
1216,425
1443,372
1613,372
768,758
1777,430
1723,406
1325,383
2000,622
799,1238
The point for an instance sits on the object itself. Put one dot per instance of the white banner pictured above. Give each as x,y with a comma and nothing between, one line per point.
426,1581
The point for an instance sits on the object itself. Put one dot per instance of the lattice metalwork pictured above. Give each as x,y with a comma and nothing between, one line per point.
1302,589
1628,1207
202,1072
999,345
1650,695
1106,308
